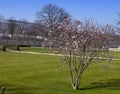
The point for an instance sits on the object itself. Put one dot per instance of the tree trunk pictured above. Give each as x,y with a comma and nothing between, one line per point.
4,48
75,87
77,81
18,48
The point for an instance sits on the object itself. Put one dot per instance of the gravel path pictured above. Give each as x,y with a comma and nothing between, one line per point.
28,52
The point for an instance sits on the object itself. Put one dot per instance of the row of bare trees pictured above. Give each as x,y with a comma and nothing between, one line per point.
22,29
12,29
47,21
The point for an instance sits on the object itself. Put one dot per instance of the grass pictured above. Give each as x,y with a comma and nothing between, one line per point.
37,49
43,74
41,49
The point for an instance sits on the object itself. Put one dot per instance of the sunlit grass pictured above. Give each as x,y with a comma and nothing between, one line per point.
43,74
37,49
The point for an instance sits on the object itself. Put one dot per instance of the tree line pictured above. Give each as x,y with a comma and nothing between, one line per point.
46,21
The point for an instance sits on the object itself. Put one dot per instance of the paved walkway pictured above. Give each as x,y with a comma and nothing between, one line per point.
28,52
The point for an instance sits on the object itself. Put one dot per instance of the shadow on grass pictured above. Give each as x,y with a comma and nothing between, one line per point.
51,87
110,84
17,89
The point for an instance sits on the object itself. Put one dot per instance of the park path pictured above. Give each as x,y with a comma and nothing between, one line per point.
29,52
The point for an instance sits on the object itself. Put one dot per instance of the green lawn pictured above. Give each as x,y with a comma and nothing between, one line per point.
43,74
37,49
41,49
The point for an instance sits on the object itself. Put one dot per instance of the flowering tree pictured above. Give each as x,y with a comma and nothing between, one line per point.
80,43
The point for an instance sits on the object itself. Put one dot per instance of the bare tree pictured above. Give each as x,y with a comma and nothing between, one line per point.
40,30
11,26
117,36
18,30
118,21
21,28
3,27
80,43
50,16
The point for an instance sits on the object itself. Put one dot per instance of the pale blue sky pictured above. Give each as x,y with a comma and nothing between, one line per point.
102,11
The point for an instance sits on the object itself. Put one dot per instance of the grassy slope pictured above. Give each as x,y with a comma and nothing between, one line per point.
42,74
